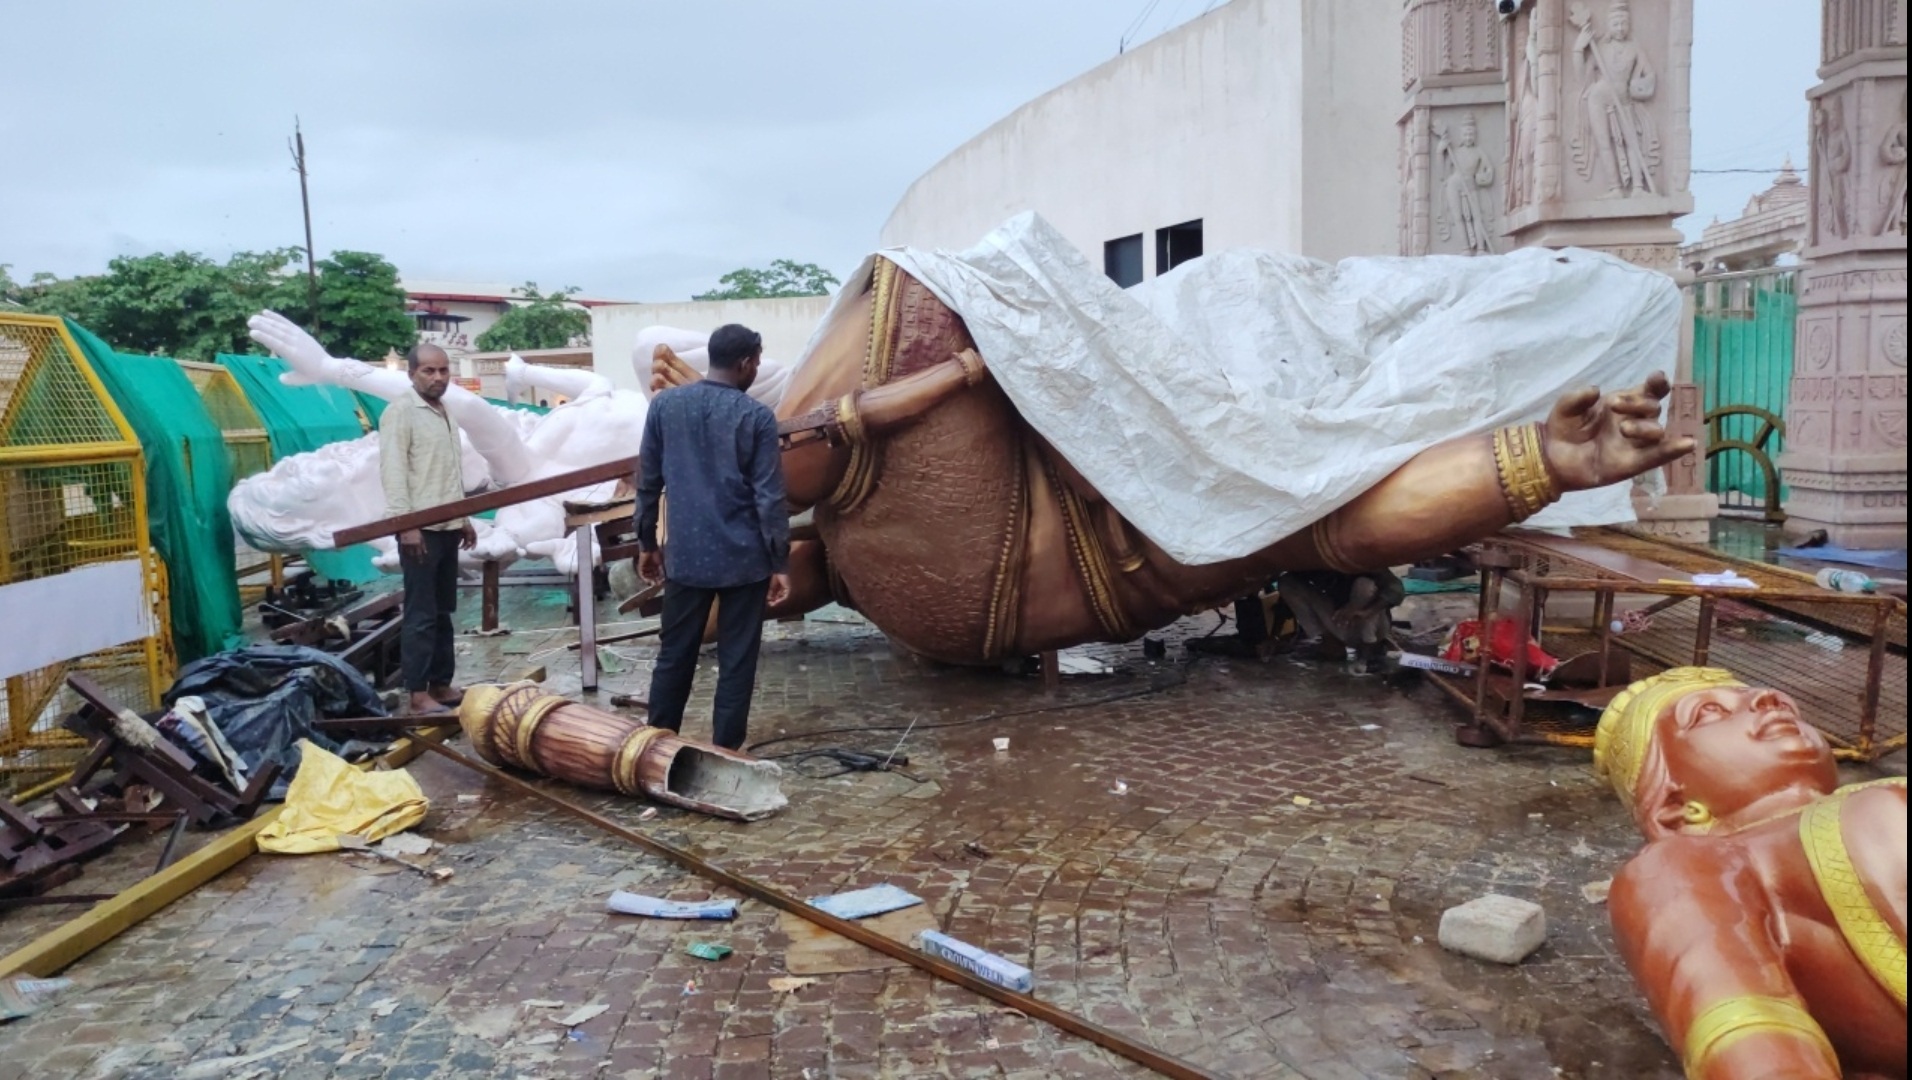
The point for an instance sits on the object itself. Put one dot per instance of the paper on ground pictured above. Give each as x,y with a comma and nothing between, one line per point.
863,903
628,903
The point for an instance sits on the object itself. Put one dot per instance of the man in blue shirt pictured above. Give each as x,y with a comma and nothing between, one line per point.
715,451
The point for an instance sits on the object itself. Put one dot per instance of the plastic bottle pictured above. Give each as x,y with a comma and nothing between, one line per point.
1843,580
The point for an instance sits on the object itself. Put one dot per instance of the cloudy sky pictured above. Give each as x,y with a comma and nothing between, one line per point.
637,150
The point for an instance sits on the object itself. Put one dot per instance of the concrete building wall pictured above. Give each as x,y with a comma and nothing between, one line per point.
1272,121
785,324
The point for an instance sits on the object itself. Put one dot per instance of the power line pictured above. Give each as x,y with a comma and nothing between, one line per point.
1762,172
1122,46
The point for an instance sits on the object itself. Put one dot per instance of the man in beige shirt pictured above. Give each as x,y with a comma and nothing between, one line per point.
420,464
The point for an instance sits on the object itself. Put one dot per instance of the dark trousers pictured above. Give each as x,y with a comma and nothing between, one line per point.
431,595
739,636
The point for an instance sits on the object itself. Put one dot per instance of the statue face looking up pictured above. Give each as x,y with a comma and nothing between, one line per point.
1726,747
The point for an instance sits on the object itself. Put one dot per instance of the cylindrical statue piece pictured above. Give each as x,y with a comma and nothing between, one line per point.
522,727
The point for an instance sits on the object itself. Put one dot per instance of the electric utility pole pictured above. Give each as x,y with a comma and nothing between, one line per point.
305,200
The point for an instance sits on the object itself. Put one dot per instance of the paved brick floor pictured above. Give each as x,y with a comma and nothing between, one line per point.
1203,910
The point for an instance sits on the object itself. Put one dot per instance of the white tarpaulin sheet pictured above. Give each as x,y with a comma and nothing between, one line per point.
1237,399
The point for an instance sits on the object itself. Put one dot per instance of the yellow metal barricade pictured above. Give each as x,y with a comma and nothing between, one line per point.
72,494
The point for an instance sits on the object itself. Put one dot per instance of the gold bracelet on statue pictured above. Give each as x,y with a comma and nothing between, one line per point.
850,421
1522,465
973,370
1327,544
1729,1021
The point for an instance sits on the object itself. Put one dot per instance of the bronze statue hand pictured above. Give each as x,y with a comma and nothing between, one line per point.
1593,440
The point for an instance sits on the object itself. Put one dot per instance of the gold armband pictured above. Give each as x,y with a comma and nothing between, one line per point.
973,370
1729,1021
849,421
1326,534
1524,479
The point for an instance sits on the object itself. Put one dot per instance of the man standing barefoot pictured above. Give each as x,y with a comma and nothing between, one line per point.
715,451
419,463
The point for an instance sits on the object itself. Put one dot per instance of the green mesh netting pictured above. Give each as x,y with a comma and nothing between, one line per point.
299,419
372,407
188,476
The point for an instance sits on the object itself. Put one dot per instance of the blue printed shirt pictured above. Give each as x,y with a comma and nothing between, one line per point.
714,449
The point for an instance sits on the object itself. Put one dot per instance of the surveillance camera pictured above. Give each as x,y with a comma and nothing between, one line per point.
1509,8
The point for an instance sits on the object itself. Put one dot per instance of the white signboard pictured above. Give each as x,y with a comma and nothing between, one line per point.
49,619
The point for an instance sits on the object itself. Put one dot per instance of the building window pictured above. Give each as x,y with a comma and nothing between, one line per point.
1122,260
1177,244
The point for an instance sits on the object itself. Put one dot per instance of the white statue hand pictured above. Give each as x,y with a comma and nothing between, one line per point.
288,341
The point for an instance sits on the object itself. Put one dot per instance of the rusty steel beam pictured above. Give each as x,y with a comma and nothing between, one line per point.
1115,1042
490,500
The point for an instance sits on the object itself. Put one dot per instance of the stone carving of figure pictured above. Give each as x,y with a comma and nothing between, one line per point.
1765,917
1892,151
1524,134
1617,131
1833,177
1470,175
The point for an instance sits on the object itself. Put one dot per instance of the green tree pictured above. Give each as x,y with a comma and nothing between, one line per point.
543,321
361,306
782,278
188,306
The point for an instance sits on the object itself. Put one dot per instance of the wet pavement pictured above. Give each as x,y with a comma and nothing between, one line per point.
1240,863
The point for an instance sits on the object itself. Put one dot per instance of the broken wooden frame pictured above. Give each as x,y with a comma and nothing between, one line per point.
162,766
1498,702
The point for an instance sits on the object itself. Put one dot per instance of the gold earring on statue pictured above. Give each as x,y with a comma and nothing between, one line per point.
1696,816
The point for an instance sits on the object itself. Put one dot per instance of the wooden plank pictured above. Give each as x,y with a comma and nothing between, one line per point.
54,951
490,500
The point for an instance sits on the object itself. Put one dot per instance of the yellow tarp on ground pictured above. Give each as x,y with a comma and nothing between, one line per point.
329,798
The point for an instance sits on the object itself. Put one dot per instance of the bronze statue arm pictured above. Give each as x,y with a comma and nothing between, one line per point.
813,468
1717,982
1458,491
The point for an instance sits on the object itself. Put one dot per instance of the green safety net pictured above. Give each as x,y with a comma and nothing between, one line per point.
372,406
188,476
299,419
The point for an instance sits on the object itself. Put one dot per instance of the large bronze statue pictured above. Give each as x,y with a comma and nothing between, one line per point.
948,521
1765,918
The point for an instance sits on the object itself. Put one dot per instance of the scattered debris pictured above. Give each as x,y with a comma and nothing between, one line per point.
405,843
1119,788
223,1066
628,903
384,1007
467,798
582,1014
863,903
992,1043
1002,743
977,850
1303,800
648,813
288,995
1370,727
978,962
1072,662
789,984
24,997
1435,663
1596,892
704,950
1583,849
1500,929
690,988
358,845
543,1039
542,1003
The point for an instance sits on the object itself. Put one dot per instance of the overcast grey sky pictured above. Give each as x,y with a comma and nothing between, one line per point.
637,150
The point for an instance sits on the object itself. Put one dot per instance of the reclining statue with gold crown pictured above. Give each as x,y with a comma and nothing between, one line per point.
1765,918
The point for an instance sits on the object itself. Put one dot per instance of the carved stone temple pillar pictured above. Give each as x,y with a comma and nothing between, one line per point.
1845,416
1453,129
1599,150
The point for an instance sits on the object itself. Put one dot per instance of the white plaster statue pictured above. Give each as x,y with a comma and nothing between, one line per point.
689,346
1892,152
1833,177
1616,124
1469,176
302,500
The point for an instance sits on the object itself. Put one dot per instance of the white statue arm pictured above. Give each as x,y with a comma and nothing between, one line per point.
493,436
575,384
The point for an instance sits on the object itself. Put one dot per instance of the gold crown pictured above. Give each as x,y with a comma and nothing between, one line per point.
1626,728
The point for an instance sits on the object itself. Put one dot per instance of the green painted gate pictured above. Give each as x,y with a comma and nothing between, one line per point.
1743,362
